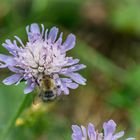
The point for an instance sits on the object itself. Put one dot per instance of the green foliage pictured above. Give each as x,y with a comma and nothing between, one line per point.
125,16
112,87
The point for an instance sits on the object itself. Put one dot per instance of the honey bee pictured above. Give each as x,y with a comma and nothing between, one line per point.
47,90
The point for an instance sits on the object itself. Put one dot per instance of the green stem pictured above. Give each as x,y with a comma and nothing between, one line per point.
11,123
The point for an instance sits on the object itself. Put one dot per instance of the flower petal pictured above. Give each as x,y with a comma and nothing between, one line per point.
72,85
72,69
84,131
91,131
34,28
118,135
76,137
11,47
30,87
77,130
12,79
69,43
16,70
34,32
20,41
64,88
77,78
77,67
71,61
8,60
66,80
59,40
53,34
42,33
109,128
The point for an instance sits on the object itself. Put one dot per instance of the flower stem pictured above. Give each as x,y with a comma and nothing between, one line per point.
12,121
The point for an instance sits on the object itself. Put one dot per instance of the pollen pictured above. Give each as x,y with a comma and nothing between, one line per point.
19,122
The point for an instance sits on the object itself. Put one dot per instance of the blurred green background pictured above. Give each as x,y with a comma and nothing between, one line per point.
108,42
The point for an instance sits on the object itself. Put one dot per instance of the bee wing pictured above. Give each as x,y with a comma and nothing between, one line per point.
37,100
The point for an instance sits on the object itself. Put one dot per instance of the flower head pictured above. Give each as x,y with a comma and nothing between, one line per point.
80,133
43,54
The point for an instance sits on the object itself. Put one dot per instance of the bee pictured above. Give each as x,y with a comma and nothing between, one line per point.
47,90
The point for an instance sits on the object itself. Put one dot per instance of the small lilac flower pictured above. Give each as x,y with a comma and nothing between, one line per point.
43,54
81,133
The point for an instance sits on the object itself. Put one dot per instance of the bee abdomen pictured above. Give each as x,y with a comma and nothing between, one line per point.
49,94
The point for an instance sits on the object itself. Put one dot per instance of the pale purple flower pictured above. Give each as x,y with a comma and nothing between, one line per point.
81,133
43,54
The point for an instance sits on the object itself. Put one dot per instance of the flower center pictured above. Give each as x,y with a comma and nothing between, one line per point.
40,69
